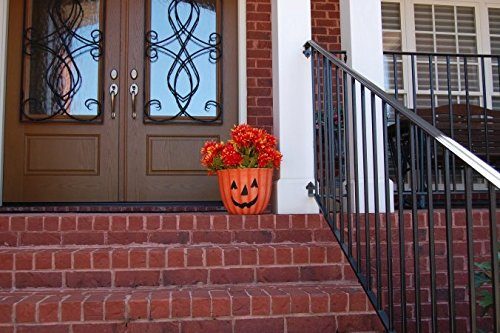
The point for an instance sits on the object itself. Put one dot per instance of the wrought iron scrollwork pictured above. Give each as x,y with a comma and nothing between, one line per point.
62,75
184,34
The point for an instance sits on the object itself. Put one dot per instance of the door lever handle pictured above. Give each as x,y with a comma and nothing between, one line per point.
134,90
113,92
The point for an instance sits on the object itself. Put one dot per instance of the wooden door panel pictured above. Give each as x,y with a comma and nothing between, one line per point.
52,157
164,154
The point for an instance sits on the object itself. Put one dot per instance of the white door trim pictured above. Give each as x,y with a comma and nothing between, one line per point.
4,18
242,71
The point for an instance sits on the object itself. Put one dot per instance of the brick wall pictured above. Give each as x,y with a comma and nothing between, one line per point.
325,29
259,64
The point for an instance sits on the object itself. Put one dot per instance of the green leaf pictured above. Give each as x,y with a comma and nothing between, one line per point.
480,279
486,300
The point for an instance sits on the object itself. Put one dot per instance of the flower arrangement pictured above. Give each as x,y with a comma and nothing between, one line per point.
249,147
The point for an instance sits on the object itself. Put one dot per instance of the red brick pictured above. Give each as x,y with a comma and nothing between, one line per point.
90,279
259,325
219,222
186,222
84,223
138,258
203,222
260,302
125,238
51,223
320,273
160,306
137,278
185,276
277,274
231,275
202,306
283,256
176,258
43,260
302,236
68,223
18,223
311,324
240,303
231,257
45,238
214,256
135,223
119,223
101,259
5,280
153,222
102,223
219,326
43,329
4,223
114,307
119,259
194,257
82,259
167,237
156,258
34,223
101,328
83,238
253,237
26,309
248,256
181,304
138,306
221,303
49,310
93,307
215,237
38,280
266,256
6,261
300,255
71,308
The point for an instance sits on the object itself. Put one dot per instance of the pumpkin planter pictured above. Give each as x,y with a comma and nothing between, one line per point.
245,191
245,165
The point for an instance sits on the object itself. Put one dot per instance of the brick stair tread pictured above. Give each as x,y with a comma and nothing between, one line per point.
332,302
90,267
109,229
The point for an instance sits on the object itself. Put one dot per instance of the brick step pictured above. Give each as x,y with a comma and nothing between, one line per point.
131,266
116,229
278,308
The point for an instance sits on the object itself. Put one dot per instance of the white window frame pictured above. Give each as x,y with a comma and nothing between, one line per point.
408,40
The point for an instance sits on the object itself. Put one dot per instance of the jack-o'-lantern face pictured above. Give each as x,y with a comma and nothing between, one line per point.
244,195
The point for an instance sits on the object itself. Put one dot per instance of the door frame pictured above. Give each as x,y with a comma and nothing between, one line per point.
242,72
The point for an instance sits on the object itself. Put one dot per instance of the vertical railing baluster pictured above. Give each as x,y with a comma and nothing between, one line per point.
321,156
355,183
414,219
449,242
495,273
378,264
331,149
430,217
433,109
467,103
315,87
450,115
388,218
485,110
340,154
325,136
366,203
401,222
470,247
348,153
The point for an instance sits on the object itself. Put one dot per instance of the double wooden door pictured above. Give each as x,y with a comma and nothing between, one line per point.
111,100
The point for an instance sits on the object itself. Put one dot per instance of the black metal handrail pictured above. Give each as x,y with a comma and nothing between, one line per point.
380,228
455,92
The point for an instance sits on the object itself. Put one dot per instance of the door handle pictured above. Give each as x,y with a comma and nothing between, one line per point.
113,92
134,90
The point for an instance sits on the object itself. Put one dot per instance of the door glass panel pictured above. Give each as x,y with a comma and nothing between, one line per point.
184,49
62,55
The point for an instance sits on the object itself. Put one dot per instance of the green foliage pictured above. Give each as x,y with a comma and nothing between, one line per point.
483,277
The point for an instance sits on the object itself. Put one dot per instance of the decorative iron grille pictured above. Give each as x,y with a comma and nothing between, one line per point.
185,48
54,48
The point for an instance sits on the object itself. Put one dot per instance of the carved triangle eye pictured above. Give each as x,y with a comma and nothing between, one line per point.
254,184
233,186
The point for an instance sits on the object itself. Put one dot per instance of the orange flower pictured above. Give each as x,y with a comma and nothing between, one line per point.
230,156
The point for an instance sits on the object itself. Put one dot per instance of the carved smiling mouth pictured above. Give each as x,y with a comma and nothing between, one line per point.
245,205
